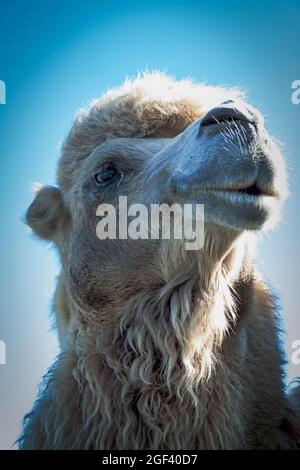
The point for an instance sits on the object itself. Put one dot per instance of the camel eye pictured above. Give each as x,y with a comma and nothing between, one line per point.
106,174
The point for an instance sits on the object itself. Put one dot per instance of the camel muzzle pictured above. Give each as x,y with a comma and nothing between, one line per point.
226,161
219,152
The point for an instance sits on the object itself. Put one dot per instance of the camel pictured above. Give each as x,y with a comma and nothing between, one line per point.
163,347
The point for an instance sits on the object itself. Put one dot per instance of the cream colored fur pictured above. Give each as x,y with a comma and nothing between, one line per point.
160,348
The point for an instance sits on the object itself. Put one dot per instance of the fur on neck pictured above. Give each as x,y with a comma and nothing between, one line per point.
136,382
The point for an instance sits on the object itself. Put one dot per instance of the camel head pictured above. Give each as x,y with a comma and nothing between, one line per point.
158,141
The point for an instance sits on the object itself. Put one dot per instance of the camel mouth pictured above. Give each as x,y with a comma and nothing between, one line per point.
253,190
252,194
250,191
248,207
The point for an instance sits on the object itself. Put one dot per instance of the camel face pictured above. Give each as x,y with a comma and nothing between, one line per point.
157,141
224,160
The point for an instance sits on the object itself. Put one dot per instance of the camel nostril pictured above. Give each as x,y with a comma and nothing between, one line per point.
212,119
227,114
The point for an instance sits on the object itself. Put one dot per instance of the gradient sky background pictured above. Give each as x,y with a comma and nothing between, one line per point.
54,57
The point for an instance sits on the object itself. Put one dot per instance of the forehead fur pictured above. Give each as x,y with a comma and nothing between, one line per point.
151,105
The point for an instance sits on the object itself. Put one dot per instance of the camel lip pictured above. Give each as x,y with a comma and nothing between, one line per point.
253,190
241,196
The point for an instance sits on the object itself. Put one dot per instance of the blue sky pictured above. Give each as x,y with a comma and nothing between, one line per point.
54,57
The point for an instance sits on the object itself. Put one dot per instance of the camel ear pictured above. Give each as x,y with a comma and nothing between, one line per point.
46,212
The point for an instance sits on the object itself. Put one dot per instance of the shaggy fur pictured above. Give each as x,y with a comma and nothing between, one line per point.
162,348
